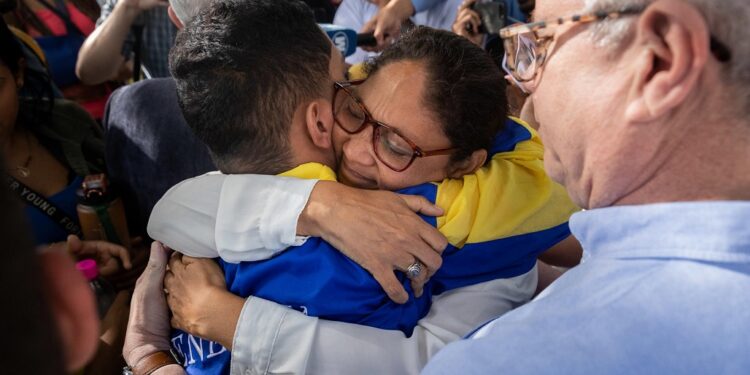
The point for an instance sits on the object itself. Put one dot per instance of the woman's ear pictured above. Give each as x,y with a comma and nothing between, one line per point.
73,308
468,165
21,73
319,123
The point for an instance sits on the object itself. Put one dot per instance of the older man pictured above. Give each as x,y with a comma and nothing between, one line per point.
643,107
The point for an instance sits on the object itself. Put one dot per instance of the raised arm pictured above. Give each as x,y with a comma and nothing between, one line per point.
100,57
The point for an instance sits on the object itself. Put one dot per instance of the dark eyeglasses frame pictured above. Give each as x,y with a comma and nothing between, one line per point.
417,152
719,49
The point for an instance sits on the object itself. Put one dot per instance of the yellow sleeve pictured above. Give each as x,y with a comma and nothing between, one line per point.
512,195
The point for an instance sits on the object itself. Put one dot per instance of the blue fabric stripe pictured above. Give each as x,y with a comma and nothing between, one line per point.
502,258
509,137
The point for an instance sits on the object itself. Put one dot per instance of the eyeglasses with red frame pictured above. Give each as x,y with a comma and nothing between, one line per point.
391,147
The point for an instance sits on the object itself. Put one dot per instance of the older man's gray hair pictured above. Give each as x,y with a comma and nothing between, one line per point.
727,20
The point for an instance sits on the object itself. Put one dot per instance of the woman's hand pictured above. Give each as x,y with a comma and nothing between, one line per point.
200,303
467,23
106,254
148,326
379,230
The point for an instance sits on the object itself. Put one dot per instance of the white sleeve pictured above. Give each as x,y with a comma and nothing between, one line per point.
273,339
237,217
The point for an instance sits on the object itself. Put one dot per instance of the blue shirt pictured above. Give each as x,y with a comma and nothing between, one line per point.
46,230
663,289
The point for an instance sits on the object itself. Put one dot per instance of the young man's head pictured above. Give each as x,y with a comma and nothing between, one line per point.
254,80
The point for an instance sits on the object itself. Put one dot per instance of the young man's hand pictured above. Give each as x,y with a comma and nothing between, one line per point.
199,300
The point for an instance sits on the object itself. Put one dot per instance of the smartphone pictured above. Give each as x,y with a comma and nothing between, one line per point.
492,14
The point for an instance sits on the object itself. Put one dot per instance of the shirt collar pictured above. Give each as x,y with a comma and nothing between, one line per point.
311,171
716,231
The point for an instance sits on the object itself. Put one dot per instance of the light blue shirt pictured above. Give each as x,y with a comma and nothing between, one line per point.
663,289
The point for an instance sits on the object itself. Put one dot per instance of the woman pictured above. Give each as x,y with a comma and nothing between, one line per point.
60,27
49,146
448,94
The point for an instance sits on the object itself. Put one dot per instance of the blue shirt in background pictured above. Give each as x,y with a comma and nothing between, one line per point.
663,289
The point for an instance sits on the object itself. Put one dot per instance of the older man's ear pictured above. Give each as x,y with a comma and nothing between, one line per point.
669,52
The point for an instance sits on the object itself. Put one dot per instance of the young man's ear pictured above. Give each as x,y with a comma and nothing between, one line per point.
320,123
72,303
672,39
469,165
173,16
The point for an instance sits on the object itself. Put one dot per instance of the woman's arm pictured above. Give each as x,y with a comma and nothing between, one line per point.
253,217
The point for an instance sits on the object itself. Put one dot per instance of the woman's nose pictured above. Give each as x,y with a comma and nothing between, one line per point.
358,148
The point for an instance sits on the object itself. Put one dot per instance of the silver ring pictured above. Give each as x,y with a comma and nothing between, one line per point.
414,270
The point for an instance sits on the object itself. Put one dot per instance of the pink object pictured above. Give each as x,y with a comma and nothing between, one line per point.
88,269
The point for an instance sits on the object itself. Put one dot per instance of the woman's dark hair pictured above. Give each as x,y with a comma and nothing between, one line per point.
11,52
27,322
38,101
464,87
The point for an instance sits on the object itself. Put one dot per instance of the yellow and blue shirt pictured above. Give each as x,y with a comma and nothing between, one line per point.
497,222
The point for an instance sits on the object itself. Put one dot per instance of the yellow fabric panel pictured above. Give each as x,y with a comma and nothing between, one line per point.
357,72
511,195
30,42
311,171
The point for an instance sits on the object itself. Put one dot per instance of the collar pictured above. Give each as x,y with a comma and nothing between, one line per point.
715,231
311,171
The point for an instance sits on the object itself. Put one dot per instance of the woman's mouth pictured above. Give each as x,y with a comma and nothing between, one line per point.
351,177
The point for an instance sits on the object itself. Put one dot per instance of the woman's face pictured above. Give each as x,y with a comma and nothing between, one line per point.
393,96
8,101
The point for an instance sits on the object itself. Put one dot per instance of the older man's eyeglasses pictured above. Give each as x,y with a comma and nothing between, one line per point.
391,147
526,45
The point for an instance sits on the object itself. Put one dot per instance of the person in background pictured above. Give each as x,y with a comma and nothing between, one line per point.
48,151
121,24
52,325
653,141
359,15
386,24
59,27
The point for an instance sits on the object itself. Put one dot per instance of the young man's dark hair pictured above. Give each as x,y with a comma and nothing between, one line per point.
464,89
242,67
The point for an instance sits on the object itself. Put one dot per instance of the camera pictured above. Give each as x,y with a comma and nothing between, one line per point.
492,14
